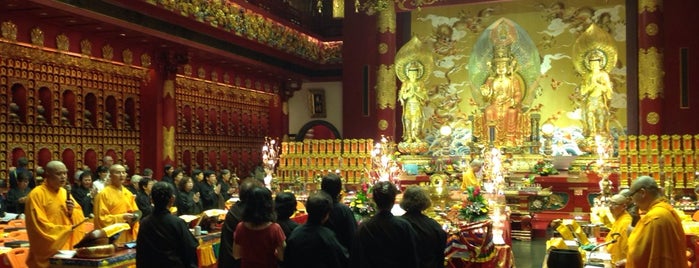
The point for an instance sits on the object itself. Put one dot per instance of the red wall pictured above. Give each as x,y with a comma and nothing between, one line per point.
681,30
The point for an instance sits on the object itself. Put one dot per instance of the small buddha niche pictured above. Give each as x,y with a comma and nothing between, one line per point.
130,114
40,112
14,113
64,117
108,120
86,119
127,122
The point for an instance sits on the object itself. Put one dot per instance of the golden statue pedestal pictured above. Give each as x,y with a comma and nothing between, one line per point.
413,148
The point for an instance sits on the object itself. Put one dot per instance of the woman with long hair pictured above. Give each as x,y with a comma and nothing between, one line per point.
258,240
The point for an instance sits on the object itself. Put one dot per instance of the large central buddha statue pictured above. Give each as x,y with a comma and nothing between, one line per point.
502,91
504,67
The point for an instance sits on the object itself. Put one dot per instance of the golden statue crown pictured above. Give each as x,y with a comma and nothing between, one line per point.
501,54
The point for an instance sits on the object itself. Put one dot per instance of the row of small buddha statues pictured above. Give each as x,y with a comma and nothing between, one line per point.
307,159
15,117
667,158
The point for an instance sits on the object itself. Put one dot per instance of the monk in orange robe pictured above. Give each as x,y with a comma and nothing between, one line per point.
658,239
51,217
621,226
469,177
116,204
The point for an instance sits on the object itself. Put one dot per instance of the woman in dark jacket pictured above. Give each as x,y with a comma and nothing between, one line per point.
143,196
188,202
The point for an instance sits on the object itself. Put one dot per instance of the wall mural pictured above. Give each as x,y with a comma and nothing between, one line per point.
532,42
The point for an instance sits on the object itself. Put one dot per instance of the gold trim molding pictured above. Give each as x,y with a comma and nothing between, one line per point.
238,94
385,87
63,58
383,48
649,5
650,73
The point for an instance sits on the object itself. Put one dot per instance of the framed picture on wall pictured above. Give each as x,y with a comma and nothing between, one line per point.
316,100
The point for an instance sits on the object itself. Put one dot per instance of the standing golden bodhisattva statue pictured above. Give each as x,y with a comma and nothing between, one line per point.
412,96
595,56
413,64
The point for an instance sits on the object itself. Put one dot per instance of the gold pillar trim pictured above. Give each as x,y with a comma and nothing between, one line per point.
338,9
383,124
652,118
169,89
168,142
383,48
650,73
652,29
387,19
385,87
649,5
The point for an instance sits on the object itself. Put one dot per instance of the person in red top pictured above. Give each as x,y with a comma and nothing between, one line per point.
258,240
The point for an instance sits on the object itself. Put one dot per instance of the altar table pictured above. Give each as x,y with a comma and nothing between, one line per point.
206,252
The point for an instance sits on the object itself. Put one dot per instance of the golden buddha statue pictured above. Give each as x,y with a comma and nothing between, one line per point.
504,68
412,96
413,64
595,56
502,91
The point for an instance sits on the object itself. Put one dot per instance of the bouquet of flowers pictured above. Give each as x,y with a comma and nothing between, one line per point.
544,167
475,207
362,206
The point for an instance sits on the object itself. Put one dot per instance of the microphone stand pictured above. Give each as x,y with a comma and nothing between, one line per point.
589,254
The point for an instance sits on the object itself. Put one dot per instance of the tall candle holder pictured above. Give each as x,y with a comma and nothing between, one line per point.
270,157
384,166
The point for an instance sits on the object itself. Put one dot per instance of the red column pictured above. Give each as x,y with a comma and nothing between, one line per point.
650,66
385,73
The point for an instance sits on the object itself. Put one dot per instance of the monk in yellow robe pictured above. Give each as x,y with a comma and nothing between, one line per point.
621,226
116,204
470,178
658,239
51,217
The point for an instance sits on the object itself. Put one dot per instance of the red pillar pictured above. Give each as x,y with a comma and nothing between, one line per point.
385,73
650,66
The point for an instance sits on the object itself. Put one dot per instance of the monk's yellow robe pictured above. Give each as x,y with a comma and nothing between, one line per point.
48,225
469,179
658,239
621,226
110,205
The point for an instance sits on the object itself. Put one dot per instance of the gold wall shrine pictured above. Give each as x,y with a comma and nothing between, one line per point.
220,125
312,158
57,105
670,160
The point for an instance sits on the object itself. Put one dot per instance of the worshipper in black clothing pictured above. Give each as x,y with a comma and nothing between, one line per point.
145,185
285,206
384,240
210,191
313,245
147,173
197,178
233,217
83,192
164,240
177,176
431,239
341,220
169,176
227,187
22,163
188,202
17,197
